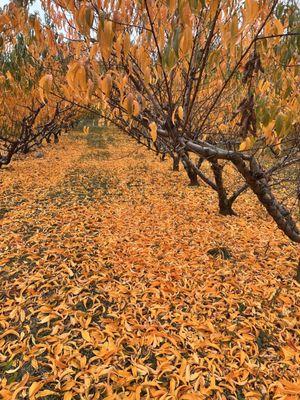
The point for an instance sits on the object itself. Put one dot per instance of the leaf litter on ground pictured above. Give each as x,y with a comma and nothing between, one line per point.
118,281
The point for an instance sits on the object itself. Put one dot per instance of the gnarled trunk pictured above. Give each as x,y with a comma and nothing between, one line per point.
191,173
193,178
225,205
176,161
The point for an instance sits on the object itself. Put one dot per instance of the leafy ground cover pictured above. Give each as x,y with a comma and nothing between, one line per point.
118,281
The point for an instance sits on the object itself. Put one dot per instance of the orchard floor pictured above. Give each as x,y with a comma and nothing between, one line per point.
108,289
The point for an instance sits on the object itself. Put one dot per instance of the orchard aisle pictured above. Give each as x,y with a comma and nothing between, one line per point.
119,281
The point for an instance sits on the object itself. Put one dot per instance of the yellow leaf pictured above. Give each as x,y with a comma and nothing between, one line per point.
136,108
251,10
288,352
45,86
182,368
268,130
147,75
287,387
128,103
172,5
81,77
68,396
9,76
186,40
126,44
243,146
180,112
106,39
106,84
243,356
86,336
34,388
45,393
172,386
153,131
86,130
69,385
173,116
279,26
223,127
70,77
246,144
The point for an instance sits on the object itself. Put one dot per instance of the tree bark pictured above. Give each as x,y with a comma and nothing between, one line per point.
193,178
225,205
176,161
191,173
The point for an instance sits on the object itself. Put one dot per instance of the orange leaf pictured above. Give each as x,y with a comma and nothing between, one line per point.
34,388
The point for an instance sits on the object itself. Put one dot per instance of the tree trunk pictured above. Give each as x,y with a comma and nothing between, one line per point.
25,149
56,137
191,173
176,161
225,206
193,178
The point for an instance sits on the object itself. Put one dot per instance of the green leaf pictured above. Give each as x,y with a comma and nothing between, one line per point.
279,123
265,117
176,37
171,59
